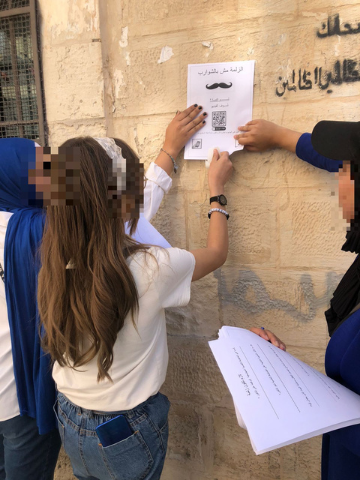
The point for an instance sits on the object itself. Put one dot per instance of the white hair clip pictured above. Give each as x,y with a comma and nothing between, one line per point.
119,162
70,265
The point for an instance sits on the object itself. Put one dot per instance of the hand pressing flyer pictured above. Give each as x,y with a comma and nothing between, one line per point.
225,91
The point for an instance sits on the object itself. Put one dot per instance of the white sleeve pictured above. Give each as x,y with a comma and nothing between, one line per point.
157,183
173,282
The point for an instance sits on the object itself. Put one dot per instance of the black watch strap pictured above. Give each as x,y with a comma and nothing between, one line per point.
221,199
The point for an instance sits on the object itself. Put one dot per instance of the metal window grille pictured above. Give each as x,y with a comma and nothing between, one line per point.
21,105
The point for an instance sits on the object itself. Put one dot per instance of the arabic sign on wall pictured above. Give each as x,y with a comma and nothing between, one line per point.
343,71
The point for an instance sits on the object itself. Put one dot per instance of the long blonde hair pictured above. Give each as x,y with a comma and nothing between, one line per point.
83,308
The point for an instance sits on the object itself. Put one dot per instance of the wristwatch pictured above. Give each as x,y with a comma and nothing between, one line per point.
219,199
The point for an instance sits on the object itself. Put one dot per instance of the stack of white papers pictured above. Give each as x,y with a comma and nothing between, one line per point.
279,399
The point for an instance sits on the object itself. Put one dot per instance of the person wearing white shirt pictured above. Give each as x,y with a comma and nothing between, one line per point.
105,323
101,299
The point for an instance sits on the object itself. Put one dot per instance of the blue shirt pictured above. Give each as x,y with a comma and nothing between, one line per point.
306,152
341,448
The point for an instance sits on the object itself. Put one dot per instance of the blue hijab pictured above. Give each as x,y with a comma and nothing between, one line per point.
34,383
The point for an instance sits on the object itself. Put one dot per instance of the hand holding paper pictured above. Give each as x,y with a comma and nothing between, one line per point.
280,399
182,127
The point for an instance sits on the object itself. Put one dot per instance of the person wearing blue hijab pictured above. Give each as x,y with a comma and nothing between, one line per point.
29,442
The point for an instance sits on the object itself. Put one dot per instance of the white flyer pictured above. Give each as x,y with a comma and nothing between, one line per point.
225,91
279,399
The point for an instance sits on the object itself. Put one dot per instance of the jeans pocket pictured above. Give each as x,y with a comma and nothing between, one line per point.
129,459
166,410
164,432
60,423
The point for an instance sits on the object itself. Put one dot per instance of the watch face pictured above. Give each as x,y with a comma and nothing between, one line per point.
222,200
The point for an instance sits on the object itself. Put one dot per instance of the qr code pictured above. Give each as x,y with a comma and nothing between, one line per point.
219,120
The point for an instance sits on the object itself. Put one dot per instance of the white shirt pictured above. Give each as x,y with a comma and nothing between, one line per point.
140,356
9,406
158,183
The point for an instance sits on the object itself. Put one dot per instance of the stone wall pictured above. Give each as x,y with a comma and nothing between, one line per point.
102,76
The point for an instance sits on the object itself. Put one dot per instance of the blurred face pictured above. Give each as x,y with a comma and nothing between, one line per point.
346,192
56,177
41,176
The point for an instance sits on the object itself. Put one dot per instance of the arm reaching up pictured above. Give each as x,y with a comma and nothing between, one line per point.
215,253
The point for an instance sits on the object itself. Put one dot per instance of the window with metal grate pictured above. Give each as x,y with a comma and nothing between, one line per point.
9,4
21,105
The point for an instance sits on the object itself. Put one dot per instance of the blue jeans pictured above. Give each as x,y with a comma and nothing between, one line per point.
24,454
139,457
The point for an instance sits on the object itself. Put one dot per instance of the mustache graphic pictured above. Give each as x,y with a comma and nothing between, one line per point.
218,85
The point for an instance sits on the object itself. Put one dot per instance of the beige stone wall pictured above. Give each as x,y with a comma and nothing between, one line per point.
102,76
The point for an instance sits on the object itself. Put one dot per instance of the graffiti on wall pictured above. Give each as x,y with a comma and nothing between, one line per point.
346,71
343,71
262,301
333,27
